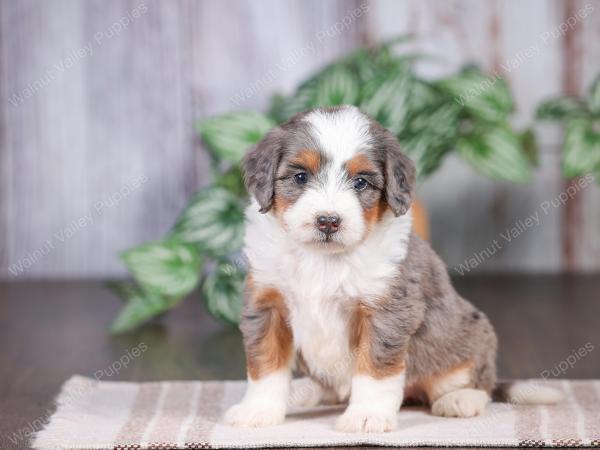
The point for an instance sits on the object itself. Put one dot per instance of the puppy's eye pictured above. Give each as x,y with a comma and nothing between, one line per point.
301,178
360,184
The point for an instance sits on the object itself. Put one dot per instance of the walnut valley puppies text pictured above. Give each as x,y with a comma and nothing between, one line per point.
78,225
523,225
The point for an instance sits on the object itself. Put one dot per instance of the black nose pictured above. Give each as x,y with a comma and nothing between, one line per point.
328,224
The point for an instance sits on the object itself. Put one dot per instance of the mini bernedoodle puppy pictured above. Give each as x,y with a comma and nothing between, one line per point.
341,288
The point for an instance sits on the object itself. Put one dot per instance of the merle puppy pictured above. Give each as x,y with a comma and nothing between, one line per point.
340,287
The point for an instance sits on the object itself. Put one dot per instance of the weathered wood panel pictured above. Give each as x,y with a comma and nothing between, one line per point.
99,104
522,42
99,99
588,237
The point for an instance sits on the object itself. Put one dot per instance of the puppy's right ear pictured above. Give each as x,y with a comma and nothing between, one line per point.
260,167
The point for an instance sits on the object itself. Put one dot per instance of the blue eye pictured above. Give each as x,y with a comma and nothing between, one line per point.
301,178
360,184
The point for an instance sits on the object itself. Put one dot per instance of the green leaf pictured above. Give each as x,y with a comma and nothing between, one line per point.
364,62
277,106
230,135
232,180
282,108
582,148
496,153
386,99
140,307
429,135
562,108
485,98
423,95
594,96
370,63
529,146
213,220
223,292
166,267
337,86
427,158
440,123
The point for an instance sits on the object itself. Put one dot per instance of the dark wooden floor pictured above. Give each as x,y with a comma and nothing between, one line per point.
49,331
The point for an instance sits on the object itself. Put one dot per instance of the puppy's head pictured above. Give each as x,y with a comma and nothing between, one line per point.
329,176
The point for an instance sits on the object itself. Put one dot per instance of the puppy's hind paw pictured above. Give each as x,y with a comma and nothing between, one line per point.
461,403
305,393
249,415
366,420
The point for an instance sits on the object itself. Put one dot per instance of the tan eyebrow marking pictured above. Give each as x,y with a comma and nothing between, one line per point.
358,164
309,159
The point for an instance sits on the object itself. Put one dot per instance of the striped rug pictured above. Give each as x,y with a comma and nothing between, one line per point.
186,415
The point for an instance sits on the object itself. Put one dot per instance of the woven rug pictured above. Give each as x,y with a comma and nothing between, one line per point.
186,415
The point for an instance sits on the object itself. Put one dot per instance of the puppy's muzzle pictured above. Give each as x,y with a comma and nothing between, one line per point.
328,224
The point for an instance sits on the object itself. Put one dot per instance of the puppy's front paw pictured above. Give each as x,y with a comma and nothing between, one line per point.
360,419
252,415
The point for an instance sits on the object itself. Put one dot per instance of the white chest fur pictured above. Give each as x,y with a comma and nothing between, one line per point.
321,290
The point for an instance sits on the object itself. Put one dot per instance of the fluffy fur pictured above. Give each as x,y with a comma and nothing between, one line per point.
368,311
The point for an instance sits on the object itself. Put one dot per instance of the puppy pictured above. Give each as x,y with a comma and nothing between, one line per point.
339,286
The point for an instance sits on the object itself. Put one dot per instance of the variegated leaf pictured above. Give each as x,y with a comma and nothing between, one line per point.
429,134
426,157
140,307
303,99
496,153
232,180
370,63
166,267
582,148
230,135
485,97
594,96
439,123
562,108
529,146
222,291
337,86
423,95
386,99
213,220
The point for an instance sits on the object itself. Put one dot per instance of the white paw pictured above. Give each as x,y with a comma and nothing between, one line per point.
360,419
461,403
252,415
305,393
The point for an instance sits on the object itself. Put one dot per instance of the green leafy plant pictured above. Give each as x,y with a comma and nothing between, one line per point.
467,112
581,119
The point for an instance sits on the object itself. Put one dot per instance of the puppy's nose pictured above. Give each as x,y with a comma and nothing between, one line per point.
328,224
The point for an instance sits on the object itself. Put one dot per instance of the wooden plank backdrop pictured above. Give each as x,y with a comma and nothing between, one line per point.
98,101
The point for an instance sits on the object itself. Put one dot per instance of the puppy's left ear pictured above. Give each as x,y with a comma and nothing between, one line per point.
400,178
260,167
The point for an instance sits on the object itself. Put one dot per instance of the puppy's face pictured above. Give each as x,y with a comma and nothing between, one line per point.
329,176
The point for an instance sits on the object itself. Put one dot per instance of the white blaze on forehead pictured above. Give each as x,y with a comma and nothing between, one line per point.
341,134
